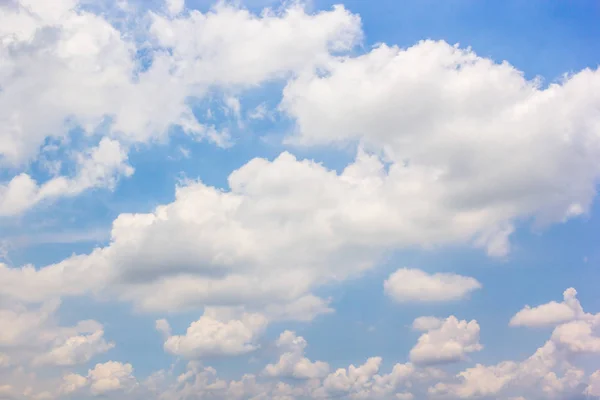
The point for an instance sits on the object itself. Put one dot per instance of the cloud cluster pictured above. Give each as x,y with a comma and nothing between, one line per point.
451,149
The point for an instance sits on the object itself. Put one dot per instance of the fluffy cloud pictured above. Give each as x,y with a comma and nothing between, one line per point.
33,335
103,378
548,373
413,285
551,314
293,363
593,388
76,350
447,341
473,137
287,226
579,336
209,336
55,56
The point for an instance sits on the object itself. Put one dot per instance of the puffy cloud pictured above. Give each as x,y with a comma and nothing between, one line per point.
55,56
353,378
33,336
578,336
593,388
413,285
448,341
209,336
76,350
534,376
293,363
285,227
548,373
550,314
103,378
427,323
473,137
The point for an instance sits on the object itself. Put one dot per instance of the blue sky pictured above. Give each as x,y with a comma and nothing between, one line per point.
326,174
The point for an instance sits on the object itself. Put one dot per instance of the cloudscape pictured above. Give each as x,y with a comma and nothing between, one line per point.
263,199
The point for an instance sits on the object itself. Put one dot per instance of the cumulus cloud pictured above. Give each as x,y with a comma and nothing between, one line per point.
209,336
446,341
472,136
76,350
103,378
55,56
548,373
413,285
33,335
453,149
552,313
293,363
593,388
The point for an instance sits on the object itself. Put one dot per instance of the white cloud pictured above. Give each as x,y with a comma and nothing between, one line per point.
472,136
593,388
413,285
448,341
55,56
427,323
550,314
104,378
353,378
209,336
76,350
548,373
175,7
293,363
579,336
32,336
285,227
100,167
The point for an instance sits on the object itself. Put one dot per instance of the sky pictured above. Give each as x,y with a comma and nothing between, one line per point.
299,200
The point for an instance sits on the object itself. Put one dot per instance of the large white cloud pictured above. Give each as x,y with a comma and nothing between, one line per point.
292,362
548,373
413,285
552,313
471,134
33,336
448,341
64,67
104,378
61,62
209,336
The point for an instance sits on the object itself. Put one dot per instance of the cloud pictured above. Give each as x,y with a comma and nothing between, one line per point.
449,340
76,350
548,373
413,285
593,388
55,56
209,336
550,314
293,363
99,167
103,378
472,136
33,335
